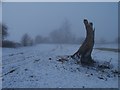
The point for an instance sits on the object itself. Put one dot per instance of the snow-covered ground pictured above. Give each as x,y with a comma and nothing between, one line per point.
37,67
0,68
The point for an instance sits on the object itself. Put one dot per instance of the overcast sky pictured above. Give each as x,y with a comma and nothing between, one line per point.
41,18
0,12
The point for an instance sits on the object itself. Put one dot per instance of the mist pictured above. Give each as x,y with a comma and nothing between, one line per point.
43,18
45,45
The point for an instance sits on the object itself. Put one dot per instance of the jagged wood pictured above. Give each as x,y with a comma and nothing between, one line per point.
85,50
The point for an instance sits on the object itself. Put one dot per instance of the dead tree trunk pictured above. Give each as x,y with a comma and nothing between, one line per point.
84,52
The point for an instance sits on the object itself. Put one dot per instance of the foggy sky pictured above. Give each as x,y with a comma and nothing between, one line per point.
0,12
41,18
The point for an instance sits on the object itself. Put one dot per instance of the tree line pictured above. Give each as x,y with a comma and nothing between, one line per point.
61,35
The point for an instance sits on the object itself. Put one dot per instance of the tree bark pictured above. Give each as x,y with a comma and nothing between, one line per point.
84,52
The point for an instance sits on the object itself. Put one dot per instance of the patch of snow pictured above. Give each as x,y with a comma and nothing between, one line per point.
37,67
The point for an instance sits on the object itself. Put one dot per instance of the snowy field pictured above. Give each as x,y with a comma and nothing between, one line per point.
38,67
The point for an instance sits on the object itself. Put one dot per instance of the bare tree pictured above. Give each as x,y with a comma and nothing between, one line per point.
26,40
38,39
84,52
3,31
63,34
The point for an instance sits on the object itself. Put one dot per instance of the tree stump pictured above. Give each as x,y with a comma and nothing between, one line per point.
84,52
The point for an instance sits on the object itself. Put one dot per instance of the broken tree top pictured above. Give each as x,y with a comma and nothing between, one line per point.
84,52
